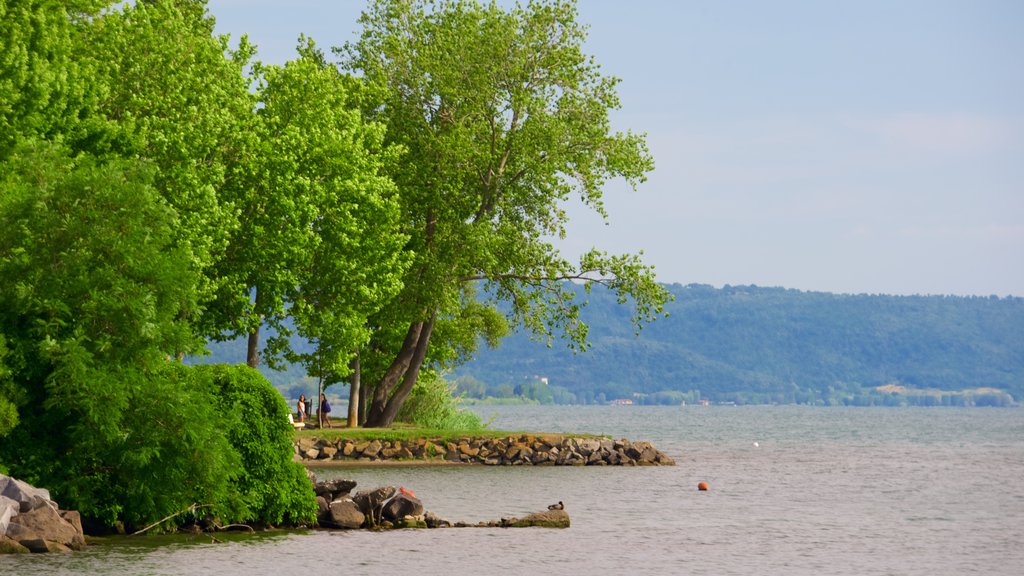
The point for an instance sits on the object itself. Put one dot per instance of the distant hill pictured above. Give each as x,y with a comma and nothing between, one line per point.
748,344
752,344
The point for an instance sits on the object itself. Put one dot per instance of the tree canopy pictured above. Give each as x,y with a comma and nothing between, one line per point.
505,119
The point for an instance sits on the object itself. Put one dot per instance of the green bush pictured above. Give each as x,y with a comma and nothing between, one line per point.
270,487
431,404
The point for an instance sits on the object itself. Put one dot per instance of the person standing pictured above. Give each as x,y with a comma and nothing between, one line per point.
325,411
302,407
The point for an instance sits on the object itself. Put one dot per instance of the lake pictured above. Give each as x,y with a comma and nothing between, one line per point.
793,490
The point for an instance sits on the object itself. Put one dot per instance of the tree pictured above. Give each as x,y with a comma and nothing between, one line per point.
504,119
41,87
96,297
168,90
318,239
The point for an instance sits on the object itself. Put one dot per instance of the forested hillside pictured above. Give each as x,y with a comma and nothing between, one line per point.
752,344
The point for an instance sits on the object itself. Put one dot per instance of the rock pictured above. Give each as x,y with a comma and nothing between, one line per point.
546,519
28,497
434,521
17,532
345,513
328,452
9,546
75,519
311,454
373,449
370,502
334,489
50,526
323,508
9,508
403,504
40,546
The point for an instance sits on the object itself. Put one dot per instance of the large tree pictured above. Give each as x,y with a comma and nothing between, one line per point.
166,89
318,239
505,119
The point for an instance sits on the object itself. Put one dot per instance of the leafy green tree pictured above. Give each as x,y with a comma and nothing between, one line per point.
97,297
169,91
504,119
319,239
42,90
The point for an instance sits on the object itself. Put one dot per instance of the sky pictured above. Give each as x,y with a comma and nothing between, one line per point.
866,146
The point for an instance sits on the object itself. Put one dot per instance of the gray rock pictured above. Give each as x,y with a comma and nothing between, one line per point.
334,489
27,496
345,513
8,509
435,521
402,505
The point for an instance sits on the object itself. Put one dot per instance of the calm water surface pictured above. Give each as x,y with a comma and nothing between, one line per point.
794,490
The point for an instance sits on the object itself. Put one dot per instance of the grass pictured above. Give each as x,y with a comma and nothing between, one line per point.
406,432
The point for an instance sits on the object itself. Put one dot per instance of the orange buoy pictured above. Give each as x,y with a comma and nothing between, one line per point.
703,486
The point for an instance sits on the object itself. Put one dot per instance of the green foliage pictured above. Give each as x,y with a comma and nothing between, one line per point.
42,90
97,298
505,119
269,486
166,89
89,262
751,344
432,405
8,410
322,236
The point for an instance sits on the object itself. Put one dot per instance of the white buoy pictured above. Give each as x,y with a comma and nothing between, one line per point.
756,445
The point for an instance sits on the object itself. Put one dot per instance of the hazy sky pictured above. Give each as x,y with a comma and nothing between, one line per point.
857,147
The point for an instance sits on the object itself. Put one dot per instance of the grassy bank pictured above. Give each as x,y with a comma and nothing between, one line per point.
404,433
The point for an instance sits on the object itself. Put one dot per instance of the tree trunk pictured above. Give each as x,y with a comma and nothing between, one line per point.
252,352
353,394
394,373
394,404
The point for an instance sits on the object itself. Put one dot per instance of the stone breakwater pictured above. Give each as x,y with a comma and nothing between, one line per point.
515,450
31,522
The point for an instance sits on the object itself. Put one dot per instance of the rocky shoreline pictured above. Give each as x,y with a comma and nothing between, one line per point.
513,450
31,522
389,507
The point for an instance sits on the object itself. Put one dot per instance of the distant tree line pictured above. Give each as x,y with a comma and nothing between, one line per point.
748,344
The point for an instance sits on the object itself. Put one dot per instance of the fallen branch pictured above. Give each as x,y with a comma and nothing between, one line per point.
191,508
230,526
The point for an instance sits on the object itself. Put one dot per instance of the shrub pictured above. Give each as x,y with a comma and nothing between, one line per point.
431,404
270,487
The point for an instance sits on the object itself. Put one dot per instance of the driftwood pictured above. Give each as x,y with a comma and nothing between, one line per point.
191,508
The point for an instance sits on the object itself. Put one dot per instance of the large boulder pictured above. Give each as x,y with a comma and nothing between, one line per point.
403,504
28,497
345,513
8,509
50,526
